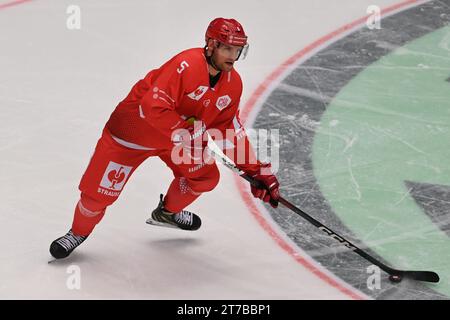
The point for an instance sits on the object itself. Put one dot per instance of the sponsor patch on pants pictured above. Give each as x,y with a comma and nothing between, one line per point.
115,176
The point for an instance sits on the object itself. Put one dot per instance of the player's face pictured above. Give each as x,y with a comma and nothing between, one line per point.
225,55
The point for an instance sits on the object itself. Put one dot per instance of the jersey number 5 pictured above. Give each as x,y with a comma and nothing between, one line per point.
183,66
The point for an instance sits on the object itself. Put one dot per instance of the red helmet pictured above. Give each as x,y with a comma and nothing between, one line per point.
227,31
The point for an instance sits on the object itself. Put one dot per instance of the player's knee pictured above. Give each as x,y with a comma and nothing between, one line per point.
205,183
213,181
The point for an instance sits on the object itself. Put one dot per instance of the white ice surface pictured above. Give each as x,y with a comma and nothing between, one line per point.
57,89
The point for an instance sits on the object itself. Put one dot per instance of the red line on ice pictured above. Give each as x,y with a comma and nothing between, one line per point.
243,187
13,3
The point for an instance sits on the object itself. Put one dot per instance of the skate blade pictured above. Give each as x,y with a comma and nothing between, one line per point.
160,224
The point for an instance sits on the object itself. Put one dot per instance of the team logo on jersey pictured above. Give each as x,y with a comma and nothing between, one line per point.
115,176
223,102
206,102
198,93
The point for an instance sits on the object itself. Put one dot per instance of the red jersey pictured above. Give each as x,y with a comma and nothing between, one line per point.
162,101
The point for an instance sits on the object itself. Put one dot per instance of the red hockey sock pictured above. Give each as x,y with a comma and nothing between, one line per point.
179,195
85,220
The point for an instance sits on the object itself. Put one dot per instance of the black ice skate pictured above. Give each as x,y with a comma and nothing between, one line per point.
182,220
63,247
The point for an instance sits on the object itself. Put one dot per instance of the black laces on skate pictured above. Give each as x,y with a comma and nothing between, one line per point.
70,241
184,217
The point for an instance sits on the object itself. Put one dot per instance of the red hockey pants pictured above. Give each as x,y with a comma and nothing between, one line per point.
112,165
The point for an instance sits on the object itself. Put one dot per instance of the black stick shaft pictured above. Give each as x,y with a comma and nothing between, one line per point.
328,231
429,276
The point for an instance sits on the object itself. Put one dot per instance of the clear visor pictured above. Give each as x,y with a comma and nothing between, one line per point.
243,53
236,52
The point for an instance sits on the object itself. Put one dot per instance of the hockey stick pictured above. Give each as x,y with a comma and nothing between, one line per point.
395,275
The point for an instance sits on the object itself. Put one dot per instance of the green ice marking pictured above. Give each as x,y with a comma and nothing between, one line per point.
389,125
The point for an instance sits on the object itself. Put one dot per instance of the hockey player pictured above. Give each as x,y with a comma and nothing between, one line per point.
170,111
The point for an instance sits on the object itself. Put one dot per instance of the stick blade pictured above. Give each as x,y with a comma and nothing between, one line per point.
427,276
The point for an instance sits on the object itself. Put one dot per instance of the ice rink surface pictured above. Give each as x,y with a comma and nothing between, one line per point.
57,89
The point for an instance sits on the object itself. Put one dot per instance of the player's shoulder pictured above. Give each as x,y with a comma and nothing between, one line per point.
192,53
193,57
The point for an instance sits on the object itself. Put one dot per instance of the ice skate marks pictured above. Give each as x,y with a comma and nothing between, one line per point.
328,167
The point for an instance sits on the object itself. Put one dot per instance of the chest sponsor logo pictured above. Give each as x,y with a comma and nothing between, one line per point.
198,93
223,102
